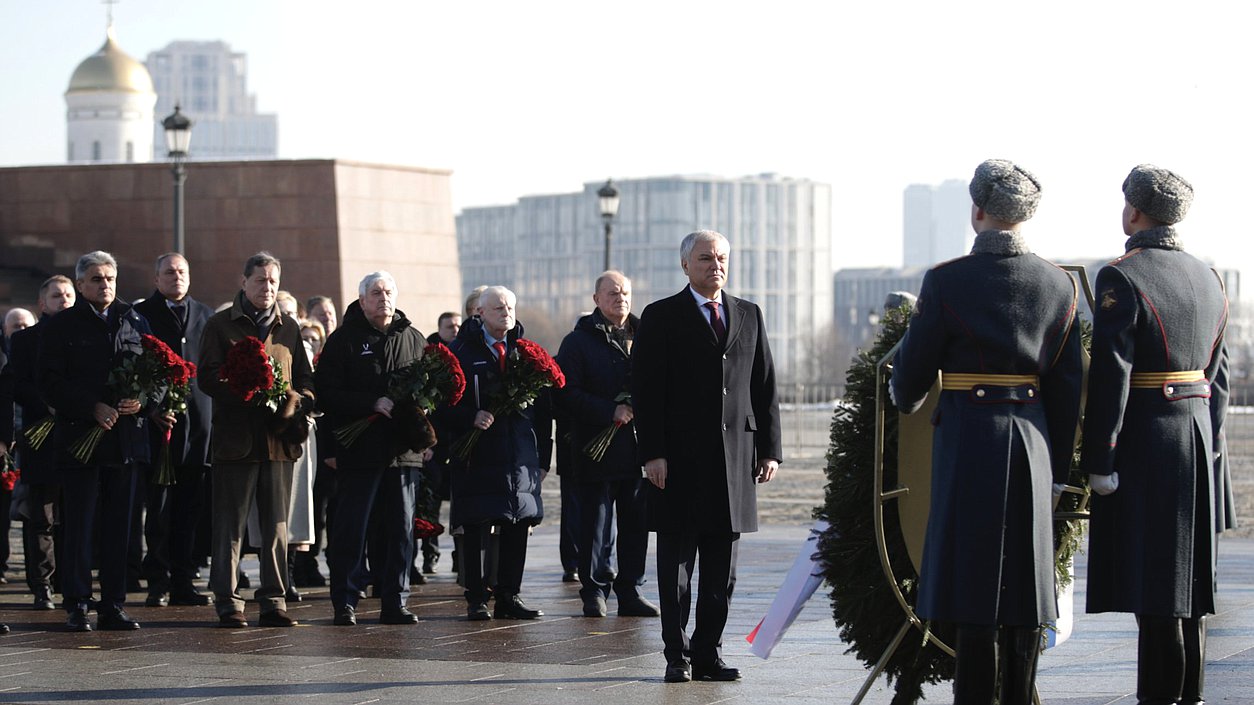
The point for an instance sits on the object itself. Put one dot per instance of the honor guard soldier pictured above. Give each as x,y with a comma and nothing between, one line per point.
1000,326
1149,433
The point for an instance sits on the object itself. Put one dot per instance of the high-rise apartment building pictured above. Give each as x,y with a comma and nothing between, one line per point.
936,223
550,248
209,82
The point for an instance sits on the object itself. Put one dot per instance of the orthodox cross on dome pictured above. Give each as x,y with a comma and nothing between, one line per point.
109,11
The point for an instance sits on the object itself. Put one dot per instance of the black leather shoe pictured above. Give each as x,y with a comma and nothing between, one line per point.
77,621
234,620
637,607
4,629
401,616
190,598
594,606
43,600
157,599
513,607
118,621
416,577
570,576
276,618
345,617
293,595
717,671
428,565
478,612
678,672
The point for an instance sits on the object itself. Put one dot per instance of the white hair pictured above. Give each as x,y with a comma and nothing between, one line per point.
92,259
500,291
691,240
369,280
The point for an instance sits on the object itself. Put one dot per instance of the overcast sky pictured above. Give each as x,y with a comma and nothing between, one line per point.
520,98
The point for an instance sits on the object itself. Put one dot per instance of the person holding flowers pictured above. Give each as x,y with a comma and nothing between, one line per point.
40,511
253,365
382,431
596,359
81,350
502,444
178,320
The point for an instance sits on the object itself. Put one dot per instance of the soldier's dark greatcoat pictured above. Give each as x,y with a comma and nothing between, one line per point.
1152,542
988,555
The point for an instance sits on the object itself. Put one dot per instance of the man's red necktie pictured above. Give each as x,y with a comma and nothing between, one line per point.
499,346
716,322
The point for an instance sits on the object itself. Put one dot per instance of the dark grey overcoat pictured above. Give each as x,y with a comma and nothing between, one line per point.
710,410
988,553
1152,542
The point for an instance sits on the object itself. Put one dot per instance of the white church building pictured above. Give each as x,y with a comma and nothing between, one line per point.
109,105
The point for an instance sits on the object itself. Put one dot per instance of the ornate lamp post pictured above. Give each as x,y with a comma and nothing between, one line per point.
608,196
178,135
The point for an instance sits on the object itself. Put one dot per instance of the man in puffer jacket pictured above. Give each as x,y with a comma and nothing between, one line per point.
499,483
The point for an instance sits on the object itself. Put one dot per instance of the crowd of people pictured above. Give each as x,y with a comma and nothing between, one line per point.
149,480
665,423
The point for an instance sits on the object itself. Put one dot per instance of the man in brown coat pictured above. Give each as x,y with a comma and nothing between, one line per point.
253,451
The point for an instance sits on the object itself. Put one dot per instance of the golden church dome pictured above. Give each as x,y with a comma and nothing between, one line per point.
111,69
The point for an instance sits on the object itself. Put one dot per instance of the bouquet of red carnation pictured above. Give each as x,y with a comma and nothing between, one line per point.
597,447
528,369
10,474
140,376
253,375
424,529
179,376
422,385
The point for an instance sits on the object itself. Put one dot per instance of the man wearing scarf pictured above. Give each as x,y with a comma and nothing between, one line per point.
1153,425
1000,326
252,452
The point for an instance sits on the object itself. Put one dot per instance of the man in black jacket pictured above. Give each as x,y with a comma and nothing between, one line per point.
177,320
78,350
40,512
379,467
596,359
707,419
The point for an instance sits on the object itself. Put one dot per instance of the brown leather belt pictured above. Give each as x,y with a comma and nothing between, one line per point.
964,381
1155,380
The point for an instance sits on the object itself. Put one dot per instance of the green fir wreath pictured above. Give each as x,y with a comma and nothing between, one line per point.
864,607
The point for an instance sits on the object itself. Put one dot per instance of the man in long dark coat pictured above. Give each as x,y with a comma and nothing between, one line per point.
1149,436
1000,326
707,418
177,320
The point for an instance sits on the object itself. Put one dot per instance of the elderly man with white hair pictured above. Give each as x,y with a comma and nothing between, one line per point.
379,469
498,485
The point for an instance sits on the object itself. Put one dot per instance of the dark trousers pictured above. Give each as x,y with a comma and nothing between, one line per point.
112,488
326,482
6,502
568,541
170,531
676,558
388,493
39,530
429,508
599,502
1171,660
511,559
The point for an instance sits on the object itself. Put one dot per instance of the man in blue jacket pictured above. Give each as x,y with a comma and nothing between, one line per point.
596,359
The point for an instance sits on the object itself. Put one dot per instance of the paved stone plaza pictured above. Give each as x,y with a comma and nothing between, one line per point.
178,657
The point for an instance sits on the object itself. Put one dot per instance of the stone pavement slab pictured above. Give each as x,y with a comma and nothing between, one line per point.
179,657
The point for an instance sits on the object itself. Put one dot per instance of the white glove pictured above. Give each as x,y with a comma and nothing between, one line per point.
892,395
1104,484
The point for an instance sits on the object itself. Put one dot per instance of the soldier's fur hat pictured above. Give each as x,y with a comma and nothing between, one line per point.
1005,191
1161,194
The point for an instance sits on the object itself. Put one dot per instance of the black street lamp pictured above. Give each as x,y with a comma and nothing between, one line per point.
608,195
178,135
